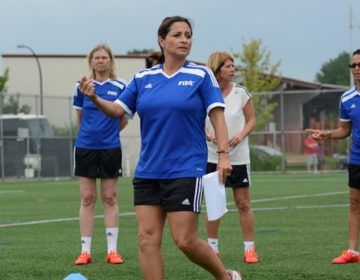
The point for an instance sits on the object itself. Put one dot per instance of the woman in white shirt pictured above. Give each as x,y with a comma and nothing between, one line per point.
240,119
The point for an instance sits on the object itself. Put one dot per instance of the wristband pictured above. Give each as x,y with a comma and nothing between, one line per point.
222,152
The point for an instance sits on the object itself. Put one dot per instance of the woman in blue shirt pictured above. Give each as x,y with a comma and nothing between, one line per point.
349,124
98,154
172,100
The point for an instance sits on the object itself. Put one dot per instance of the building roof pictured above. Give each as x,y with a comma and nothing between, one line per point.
294,84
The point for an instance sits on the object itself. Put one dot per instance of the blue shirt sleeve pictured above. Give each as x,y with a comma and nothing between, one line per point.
78,97
211,92
128,98
343,112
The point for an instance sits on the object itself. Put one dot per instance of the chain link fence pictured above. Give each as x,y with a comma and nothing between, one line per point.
44,149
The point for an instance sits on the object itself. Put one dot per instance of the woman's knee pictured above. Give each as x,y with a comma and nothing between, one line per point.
148,240
355,204
243,205
185,243
109,199
88,199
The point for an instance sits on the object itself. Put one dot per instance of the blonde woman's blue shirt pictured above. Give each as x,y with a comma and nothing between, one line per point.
97,130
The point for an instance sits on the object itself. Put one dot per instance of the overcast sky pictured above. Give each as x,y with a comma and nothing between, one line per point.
302,34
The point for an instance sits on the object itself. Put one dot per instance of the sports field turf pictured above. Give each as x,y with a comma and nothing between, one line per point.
301,224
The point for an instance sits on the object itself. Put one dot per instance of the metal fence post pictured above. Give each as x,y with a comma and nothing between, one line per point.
282,127
2,136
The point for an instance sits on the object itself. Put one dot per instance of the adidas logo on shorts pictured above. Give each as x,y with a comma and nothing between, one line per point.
185,202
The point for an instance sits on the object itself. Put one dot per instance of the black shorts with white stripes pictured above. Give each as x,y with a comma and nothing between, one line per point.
98,163
183,194
239,177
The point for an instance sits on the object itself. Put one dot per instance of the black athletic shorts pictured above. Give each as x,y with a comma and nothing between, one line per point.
239,177
183,194
354,176
98,163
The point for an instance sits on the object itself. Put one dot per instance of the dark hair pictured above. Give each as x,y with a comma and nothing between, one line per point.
165,25
154,58
356,52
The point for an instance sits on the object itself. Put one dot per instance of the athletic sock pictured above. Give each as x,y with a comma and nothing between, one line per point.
356,253
111,237
85,244
214,244
248,245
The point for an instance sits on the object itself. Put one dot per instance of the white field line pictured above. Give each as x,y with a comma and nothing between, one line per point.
293,197
232,210
57,220
18,191
296,207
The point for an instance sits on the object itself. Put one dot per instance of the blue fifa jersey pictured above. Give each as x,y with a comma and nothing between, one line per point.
172,111
97,130
350,112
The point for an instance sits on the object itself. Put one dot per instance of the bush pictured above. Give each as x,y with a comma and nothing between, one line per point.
261,161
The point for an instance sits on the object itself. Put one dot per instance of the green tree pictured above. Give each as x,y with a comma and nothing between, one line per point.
259,76
12,106
335,71
3,80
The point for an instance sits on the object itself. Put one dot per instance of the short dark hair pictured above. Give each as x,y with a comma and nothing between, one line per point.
165,25
356,52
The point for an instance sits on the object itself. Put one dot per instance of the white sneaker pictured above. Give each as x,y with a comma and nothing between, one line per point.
235,275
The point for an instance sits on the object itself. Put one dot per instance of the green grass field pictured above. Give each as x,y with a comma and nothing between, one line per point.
301,224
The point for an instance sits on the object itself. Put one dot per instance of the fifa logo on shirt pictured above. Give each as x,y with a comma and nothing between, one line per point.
186,83
112,93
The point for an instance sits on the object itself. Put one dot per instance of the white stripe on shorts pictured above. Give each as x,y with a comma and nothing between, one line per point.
199,190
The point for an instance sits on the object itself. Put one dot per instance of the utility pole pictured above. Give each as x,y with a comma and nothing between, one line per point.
40,75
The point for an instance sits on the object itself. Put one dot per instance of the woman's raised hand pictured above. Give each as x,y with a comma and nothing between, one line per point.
87,87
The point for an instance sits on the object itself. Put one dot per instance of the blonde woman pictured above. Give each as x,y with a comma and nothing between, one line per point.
240,119
98,154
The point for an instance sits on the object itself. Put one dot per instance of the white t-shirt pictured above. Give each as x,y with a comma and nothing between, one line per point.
235,102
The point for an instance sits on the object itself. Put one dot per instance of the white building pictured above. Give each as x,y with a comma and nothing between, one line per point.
59,75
